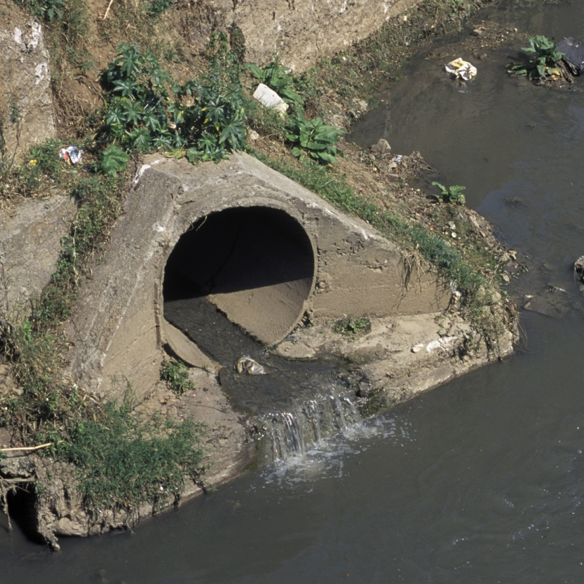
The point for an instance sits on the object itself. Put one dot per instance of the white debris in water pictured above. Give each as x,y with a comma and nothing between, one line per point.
250,366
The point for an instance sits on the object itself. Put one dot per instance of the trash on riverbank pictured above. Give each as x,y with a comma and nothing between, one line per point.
71,155
461,69
573,51
269,98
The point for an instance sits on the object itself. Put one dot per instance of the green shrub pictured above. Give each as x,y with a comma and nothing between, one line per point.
147,110
313,137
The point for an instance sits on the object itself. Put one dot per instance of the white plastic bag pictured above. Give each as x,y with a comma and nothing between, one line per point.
461,69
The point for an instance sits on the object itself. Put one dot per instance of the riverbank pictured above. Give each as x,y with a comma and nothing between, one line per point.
421,357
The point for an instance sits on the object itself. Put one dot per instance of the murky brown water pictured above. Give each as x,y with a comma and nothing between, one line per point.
480,481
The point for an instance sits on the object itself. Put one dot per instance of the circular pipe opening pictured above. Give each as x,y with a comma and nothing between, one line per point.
256,264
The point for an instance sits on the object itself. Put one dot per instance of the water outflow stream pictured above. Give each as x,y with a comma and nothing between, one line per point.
480,481
292,404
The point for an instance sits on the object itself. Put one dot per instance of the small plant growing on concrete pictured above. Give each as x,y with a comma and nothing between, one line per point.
545,62
452,194
352,327
176,375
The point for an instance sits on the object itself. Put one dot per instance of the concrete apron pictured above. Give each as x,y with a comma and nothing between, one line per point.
259,246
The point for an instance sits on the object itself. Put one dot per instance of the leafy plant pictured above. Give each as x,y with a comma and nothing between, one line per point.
148,110
543,64
114,160
176,375
313,137
279,78
48,10
452,194
158,7
352,327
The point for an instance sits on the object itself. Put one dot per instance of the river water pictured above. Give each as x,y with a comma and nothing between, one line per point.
479,481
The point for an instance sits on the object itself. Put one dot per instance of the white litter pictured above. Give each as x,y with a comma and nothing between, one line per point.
248,365
270,99
71,155
461,69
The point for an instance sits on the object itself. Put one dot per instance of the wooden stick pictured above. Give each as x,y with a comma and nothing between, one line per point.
108,9
26,448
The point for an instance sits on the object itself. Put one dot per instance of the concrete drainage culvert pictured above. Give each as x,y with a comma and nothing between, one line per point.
256,264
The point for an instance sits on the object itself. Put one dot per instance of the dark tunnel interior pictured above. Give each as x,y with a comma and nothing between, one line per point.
238,249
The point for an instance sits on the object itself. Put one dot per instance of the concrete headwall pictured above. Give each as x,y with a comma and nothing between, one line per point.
118,330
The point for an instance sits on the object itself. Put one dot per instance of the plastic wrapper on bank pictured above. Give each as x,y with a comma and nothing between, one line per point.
461,69
71,155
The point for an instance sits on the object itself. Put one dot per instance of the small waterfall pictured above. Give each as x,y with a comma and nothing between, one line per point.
290,433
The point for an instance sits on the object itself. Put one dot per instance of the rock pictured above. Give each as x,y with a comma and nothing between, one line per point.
541,305
36,225
358,109
579,269
382,148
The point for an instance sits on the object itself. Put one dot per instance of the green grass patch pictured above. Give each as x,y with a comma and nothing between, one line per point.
122,463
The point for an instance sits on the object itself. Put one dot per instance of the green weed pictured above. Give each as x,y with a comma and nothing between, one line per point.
544,63
352,327
266,121
313,137
176,375
48,10
147,110
452,194
114,160
122,462
158,7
